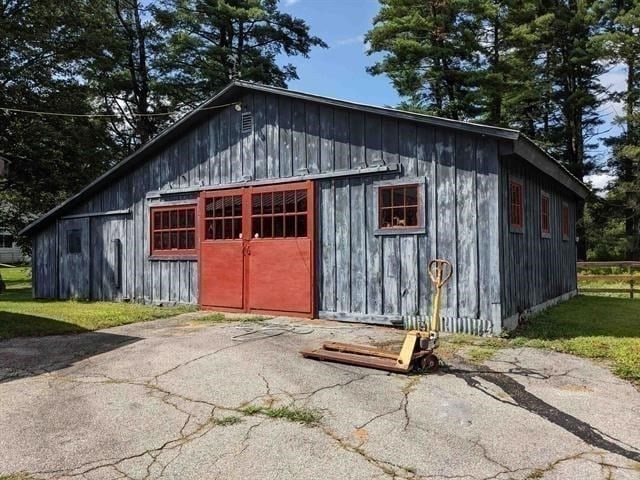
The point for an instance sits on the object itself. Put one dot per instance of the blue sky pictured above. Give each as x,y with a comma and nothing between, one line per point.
339,71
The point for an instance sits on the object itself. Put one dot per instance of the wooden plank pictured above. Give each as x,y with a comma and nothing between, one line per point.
446,199
426,243
286,147
389,140
235,146
260,136
193,283
407,148
273,137
248,142
343,247
373,247
467,227
409,275
326,139
224,145
327,246
341,133
356,139
373,139
298,137
312,124
358,267
488,191
215,161
174,286
390,275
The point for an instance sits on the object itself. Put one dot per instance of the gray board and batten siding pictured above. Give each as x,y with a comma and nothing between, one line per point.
350,150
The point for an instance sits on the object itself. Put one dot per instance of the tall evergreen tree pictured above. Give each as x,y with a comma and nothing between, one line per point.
209,42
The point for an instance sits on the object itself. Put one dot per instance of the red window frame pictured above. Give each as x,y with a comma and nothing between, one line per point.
280,214
223,218
402,208
545,214
174,232
516,206
566,228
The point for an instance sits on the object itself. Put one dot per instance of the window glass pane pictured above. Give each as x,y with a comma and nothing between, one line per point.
237,206
208,230
157,241
208,208
218,230
165,219
267,204
301,200
398,217
191,239
255,227
267,227
278,202
74,241
386,218
255,204
237,228
166,241
278,227
182,239
290,201
290,226
228,229
218,207
191,218
182,218
174,218
228,206
157,220
411,218
411,196
301,227
385,197
398,196
174,240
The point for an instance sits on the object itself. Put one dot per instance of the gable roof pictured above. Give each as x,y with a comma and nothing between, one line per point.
521,144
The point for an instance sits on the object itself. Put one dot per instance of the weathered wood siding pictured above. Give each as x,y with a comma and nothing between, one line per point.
383,278
359,274
44,259
535,269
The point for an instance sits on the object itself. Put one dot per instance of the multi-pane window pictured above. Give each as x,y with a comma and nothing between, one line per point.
279,214
6,240
545,215
223,217
398,207
173,230
516,206
74,241
565,222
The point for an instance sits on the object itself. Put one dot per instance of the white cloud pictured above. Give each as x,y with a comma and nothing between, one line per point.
349,41
599,181
288,3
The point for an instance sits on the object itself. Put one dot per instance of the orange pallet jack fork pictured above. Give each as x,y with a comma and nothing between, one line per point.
417,350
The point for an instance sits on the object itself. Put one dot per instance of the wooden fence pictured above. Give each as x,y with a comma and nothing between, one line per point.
628,277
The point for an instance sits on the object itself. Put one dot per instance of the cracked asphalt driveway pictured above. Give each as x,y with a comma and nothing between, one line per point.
167,399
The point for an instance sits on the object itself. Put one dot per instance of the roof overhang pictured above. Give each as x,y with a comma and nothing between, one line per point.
522,146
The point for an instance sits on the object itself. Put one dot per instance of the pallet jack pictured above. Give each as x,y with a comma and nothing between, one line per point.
417,349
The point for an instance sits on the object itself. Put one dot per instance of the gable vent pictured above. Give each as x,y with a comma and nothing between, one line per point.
247,122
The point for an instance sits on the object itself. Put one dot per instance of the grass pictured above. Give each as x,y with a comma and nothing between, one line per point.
21,315
293,414
601,328
225,421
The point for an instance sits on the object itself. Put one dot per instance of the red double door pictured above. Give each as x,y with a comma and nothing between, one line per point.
256,250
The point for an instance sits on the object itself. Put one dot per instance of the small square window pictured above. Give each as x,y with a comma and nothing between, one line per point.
74,241
400,208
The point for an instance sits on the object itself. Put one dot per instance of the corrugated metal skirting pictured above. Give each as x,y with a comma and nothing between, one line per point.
473,326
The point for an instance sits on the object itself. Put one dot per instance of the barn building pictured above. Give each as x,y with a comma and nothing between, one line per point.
269,200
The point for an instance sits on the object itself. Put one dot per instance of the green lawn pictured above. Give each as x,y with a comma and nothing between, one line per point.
603,328
20,315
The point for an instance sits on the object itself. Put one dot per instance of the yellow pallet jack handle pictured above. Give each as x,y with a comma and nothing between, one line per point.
440,272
